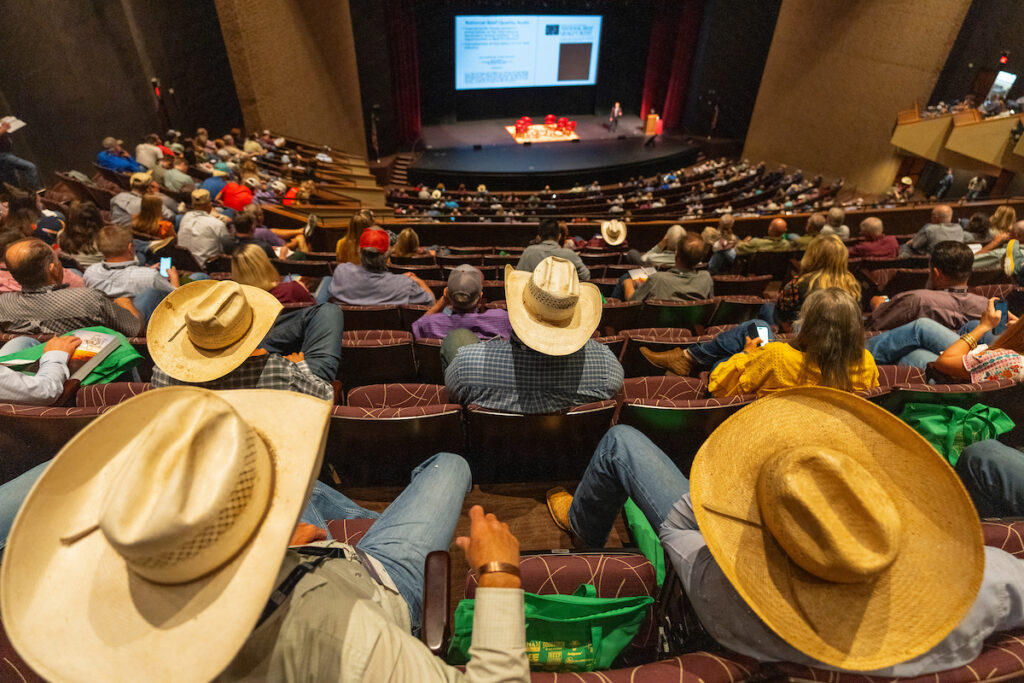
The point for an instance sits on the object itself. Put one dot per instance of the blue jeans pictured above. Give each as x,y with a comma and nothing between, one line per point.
626,464
323,291
917,343
12,495
316,332
18,344
146,302
11,165
721,261
993,474
619,291
422,519
725,344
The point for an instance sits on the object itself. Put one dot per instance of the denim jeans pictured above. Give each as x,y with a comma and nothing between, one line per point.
619,291
626,464
18,344
917,343
12,494
422,519
323,291
11,165
721,261
993,474
146,302
725,344
316,332
453,341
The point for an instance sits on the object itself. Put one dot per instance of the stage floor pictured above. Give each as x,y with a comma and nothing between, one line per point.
599,155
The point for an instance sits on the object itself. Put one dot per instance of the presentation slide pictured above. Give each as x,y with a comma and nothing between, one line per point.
521,51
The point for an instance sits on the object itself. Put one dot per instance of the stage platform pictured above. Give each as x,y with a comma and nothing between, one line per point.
502,164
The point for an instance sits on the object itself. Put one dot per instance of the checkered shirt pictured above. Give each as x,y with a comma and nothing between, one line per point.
268,371
58,309
507,375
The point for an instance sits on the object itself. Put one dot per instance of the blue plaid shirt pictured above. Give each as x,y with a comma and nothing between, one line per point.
507,375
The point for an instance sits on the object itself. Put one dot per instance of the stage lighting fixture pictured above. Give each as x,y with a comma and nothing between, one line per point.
1004,57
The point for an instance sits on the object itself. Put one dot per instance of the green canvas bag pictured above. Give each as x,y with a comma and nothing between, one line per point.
646,538
120,360
578,632
951,428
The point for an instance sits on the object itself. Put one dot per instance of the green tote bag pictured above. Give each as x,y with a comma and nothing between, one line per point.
951,428
578,632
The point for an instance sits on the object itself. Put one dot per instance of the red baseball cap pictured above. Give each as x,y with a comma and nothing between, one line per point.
372,238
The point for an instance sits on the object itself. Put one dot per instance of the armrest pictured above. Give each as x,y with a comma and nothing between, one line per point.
67,396
434,627
336,385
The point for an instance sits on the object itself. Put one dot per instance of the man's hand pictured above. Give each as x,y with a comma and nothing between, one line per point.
66,344
4,127
751,344
490,541
305,534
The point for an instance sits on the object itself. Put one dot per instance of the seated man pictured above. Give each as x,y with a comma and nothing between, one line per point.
245,233
874,244
237,196
177,178
370,283
661,254
946,300
219,334
203,233
42,388
164,164
682,283
7,282
775,241
813,228
550,363
250,608
148,152
45,306
834,223
549,231
113,157
118,274
940,229
458,309
126,205
777,570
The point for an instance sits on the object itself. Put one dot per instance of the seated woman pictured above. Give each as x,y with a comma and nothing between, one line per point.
828,351
250,266
293,238
347,248
825,264
150,221
964,357
78,238
408,244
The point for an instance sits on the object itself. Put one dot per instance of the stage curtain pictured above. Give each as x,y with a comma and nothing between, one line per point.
674,34
405,69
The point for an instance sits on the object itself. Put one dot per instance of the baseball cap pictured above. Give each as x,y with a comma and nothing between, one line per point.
141,178
373,238
465,284
200,196
252,182
110,142
278,186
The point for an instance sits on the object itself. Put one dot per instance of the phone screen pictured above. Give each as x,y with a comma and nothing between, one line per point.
1002,306
165,265
762,332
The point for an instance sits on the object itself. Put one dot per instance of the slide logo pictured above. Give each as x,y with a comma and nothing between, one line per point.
551,30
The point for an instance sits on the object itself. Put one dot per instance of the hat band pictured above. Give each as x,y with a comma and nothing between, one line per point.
548,308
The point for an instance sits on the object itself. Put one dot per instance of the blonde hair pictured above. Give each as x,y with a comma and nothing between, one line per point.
1012,338
407,244
347,250
1003,219
305,191
250,266
150,215
825,264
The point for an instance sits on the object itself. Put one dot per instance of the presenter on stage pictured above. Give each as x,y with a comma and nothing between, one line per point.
614,116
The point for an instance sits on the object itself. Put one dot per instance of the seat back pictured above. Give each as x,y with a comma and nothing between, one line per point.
397,395
617,316
429,272
305,268
418,260
455,260
773,263
98,395
428,361
741,285
376,357
32,435
372,317
693,315
732,310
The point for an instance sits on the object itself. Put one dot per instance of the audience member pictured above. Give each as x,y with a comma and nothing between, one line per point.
834,223
203,234
12,165
293,238
148,152
237,196
150,219
119,274
47,384
114,158
125,205
347,248
370,283
663,253
549,232
78,238
24,214
824,264
940,229
682,283
765,469
45,306
250,266
407,244
245,233
722,241
459,308
163,165
550,363
177,178
815,224
1003,227
7,281
874,244
946,300
775,241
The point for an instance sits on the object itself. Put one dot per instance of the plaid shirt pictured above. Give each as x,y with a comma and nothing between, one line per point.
507,375
267,371
57,309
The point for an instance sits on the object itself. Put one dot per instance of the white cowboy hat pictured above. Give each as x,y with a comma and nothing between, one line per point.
613,232
148,548
208,328
551,311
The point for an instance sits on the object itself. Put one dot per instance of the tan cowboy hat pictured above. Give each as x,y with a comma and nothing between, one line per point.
206,329
840,526
551,311
148,548
613,232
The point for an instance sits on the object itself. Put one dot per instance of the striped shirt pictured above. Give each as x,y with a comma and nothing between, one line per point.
124,279
57,309
267,371
507,375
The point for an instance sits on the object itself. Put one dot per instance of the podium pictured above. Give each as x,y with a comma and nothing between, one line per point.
651,124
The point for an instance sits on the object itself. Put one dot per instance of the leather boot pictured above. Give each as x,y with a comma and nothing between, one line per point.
675,360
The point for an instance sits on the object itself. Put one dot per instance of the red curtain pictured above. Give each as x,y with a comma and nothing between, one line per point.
405,69
674,34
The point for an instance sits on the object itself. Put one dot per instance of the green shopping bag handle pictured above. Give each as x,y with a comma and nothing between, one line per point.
585,590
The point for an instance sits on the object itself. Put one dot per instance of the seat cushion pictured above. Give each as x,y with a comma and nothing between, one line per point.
663,388
402,395
348,530
694,667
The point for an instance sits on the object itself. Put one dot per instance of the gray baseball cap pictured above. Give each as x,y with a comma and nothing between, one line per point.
465,284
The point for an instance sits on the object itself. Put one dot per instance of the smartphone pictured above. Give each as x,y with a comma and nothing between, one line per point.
1002,306
165,265
762,332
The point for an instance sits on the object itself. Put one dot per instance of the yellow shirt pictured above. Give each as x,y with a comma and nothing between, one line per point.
776,366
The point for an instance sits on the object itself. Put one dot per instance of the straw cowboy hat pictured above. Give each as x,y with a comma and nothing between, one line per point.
551,311
148,548
206,329
613,232
841,527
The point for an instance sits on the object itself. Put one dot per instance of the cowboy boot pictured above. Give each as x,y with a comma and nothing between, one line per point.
675,360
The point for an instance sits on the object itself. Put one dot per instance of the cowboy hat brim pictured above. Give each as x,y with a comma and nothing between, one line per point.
544,337
173,352
613,241
910,606
75,612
